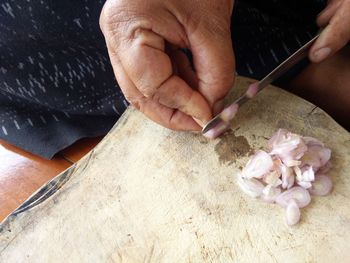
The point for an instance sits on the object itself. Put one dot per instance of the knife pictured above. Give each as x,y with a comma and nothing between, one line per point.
220,123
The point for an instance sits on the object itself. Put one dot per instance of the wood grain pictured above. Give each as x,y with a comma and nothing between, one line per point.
147,194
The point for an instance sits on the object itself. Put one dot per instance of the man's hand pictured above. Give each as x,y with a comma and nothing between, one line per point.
336,20
144,40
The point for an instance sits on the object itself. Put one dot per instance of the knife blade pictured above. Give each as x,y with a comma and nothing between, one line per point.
223,119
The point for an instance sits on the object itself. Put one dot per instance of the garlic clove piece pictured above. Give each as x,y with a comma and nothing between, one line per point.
292,213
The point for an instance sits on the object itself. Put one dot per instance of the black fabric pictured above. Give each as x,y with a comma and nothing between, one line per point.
56,81
265,33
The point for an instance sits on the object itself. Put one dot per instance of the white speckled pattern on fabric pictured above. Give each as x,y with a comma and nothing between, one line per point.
56,82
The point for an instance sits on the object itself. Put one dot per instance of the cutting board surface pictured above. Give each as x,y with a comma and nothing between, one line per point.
147,194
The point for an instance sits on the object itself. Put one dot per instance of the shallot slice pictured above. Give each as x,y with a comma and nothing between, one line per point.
292,213
285,172
259,165
305,176
316,156
321,186
310,141
220,128
325,169
273,179
251,187
252,90
294,168
270,193
299,194
229,113
289,147
287,176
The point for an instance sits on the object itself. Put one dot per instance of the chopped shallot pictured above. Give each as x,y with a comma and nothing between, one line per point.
289,147
321,186
258,166
270,193
294,168
252,90
300,195
229,113
305,176
251,187
292,213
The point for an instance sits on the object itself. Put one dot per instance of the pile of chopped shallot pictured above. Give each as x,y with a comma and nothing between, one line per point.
294,168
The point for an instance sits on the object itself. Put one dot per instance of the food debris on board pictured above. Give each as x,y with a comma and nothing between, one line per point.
294,168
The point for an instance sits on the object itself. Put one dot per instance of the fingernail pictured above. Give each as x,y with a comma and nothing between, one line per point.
218,107
200,123
321,54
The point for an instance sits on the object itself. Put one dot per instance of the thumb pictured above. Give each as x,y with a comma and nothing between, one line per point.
213,59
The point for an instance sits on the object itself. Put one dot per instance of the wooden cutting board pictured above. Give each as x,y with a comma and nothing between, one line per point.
147,194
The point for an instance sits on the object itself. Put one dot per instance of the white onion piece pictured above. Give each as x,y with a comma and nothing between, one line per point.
299,194
259,165
270,193
321,186
292,213
251,187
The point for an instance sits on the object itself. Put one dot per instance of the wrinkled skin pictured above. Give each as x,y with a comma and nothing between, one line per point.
143,40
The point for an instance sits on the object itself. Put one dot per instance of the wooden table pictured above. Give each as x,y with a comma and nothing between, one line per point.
147,194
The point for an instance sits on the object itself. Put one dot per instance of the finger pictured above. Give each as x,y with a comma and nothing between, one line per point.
325,16
213,60
150,69
184,68
335,36
167,117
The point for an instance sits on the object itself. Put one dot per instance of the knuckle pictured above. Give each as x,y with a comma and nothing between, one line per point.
213,19
116,17
135,102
